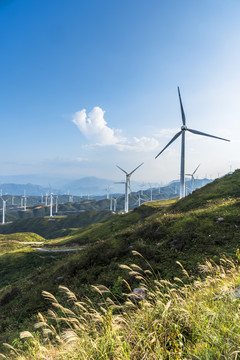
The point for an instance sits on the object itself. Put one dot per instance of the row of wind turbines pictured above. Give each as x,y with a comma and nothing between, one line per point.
182,133
113,202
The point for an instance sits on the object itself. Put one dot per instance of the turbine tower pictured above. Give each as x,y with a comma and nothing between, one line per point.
51,205
139,199
25,201
56,210
127,185
114,204
3,210
192,176
182,132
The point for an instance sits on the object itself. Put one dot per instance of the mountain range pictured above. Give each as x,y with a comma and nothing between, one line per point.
33,185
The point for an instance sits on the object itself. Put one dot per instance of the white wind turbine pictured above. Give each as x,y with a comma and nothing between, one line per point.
192,177
184,128
25,201
127,185
51,204
108,191
56,209
139,199
114,204
3,210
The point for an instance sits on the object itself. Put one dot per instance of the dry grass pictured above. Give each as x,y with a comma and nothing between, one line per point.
195,320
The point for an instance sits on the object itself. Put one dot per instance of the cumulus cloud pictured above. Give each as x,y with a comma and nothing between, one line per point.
143,144
94,127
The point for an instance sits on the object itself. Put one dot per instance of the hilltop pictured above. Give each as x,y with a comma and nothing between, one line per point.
206,224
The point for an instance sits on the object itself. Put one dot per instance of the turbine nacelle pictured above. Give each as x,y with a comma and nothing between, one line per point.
181,132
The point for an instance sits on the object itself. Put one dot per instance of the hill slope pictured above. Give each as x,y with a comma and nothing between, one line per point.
205,224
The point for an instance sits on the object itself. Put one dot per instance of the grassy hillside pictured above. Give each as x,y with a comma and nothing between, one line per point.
163,232
173,321
57,226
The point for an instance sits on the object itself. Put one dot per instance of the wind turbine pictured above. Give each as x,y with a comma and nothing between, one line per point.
56,210
192,176
139,199
111,203
3,210
184,128
51,204
114,204
127,185
25,201
108,191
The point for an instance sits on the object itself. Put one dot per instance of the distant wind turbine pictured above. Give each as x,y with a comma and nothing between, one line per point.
184,128
108,191
139,199
25,201
51,204
3,210
192,177
151,193
114,204
127,185
56,210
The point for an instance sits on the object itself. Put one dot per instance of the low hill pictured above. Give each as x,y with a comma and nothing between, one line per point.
56,226
206,224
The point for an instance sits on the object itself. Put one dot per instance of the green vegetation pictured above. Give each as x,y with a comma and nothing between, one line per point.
206,224
55,227
174,321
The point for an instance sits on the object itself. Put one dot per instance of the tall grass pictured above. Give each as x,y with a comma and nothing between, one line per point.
183,319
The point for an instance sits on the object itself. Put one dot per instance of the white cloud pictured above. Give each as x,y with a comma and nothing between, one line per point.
94,127
143,144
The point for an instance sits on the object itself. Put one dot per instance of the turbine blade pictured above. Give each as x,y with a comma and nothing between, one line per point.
121,169
196,169
181,106
173,139
136,169
204,134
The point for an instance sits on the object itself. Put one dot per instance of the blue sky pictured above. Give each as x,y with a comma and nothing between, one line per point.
86,85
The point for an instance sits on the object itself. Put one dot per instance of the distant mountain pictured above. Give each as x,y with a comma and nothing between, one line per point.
36,185
19,189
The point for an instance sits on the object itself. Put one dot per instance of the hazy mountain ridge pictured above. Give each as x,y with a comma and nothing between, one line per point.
33,186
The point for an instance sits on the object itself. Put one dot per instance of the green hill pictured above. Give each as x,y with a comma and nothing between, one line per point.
56,226
206,224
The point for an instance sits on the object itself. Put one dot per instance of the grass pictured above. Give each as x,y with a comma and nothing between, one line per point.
59,226
164,232
176,321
